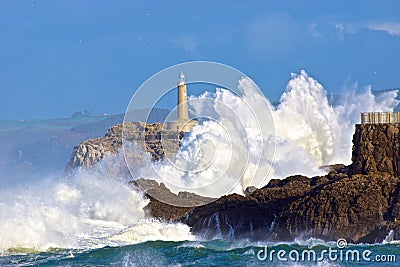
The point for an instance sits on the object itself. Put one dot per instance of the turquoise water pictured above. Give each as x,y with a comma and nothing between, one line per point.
198,253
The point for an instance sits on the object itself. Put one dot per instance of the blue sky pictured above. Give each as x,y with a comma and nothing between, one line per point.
58,57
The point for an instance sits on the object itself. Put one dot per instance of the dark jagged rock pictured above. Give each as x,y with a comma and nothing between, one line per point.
166,205
252,216
358,208
351,208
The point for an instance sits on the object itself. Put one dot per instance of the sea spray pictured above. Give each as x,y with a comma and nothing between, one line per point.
235,149
348,114
316,132
83,210
305,118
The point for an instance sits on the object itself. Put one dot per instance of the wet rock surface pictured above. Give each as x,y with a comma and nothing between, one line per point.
359,208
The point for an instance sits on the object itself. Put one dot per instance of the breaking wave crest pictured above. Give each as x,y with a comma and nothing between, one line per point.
87,210
305,120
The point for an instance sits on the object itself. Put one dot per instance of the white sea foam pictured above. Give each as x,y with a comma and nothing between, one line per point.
150,229
307,121
234,149
81,211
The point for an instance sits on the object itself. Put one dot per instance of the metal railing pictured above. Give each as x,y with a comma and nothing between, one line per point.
380,117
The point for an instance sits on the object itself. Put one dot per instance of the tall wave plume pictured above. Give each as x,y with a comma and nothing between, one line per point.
228,150
305,119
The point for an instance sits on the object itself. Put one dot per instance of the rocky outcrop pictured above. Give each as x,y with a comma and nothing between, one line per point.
254,216
355,208
359,208
376,149
152,138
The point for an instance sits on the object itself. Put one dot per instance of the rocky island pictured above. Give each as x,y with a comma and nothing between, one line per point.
359,202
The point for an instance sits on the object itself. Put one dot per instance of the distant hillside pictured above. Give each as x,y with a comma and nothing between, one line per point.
36,149
100,127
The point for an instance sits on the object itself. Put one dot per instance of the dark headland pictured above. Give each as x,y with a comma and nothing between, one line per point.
359,202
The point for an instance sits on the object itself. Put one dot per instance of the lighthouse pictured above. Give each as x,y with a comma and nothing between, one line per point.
182,123
183,110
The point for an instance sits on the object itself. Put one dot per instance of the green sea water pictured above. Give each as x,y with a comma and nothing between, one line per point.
205,253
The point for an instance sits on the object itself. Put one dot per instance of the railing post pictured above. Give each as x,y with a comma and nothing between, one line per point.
380,117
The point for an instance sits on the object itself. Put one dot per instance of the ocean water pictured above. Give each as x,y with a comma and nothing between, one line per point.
203,253
93,218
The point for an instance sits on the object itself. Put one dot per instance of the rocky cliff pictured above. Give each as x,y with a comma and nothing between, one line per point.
360,202
376,149
152,138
